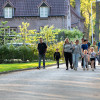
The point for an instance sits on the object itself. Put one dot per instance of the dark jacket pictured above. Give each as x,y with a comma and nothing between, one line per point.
42,48
57,55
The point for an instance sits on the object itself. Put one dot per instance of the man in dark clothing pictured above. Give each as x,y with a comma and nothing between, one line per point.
88,43
57,57
42,48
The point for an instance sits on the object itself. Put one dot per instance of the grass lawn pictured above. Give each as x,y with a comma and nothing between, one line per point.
17,66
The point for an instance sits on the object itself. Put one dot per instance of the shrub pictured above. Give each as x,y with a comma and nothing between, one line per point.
3,53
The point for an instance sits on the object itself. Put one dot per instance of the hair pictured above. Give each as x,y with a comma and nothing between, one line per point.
92,48
77,40
85,51
57,49
85,40
65,41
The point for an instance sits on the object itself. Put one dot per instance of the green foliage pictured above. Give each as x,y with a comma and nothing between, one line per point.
69,34
23,53
3,53
3,35
27,36
86,13
48,34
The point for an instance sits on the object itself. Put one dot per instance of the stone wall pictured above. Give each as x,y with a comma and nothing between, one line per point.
37,22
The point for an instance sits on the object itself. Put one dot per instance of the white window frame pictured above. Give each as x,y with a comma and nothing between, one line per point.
44,11
7,12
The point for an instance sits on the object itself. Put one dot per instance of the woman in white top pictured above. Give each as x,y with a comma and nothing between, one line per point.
67,50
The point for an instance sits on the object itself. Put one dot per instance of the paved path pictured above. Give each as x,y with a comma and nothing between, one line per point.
51,84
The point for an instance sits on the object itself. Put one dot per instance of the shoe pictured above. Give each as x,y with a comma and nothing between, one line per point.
93,69
71,67
66,68
57,67
87,68
43,67
38,68
84,69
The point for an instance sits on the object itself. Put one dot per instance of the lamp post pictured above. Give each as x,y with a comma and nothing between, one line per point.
92,18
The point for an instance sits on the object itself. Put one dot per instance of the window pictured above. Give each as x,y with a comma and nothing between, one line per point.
11,31
44,11
8,12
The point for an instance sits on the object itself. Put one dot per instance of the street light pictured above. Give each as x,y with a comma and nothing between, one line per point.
92,18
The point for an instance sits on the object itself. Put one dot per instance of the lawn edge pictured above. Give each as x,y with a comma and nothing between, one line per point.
18,70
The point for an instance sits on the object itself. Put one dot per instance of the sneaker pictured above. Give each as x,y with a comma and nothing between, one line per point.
75,69
38,68
84,69
71,67
87,68
66,68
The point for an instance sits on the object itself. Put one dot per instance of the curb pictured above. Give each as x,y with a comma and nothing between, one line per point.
26,69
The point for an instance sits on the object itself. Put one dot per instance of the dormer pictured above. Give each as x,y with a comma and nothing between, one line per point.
8,9
44,9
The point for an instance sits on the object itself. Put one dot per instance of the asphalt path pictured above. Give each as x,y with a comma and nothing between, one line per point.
51,84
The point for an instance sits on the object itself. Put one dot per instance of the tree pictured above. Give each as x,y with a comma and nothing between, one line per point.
48,34
86,13
3,35
27,36
97,27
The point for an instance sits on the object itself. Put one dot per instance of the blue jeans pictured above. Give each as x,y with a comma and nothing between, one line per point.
40,57
75,60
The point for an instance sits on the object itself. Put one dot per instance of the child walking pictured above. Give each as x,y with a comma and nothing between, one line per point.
57,57
86,59
92,58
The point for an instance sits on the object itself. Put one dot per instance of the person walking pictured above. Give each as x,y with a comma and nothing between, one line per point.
95,50
42,48
92,58
57,56
76,54
67,50
86,59
84,46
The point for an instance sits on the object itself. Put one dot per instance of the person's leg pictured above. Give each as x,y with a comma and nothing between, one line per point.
74,61
57,63
44,61
40,56
87,65
77,58
92,65
84,63
66,59
70,60
95,63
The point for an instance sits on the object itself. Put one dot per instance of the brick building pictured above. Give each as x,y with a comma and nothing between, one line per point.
40,13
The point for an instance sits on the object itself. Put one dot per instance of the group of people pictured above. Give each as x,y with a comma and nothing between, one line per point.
72,52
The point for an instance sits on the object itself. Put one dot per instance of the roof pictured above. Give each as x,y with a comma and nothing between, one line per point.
73,10
30,7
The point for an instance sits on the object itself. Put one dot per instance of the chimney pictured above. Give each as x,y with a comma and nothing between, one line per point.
77,7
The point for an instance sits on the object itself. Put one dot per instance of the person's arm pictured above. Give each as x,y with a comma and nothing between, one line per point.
59,55
45,48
